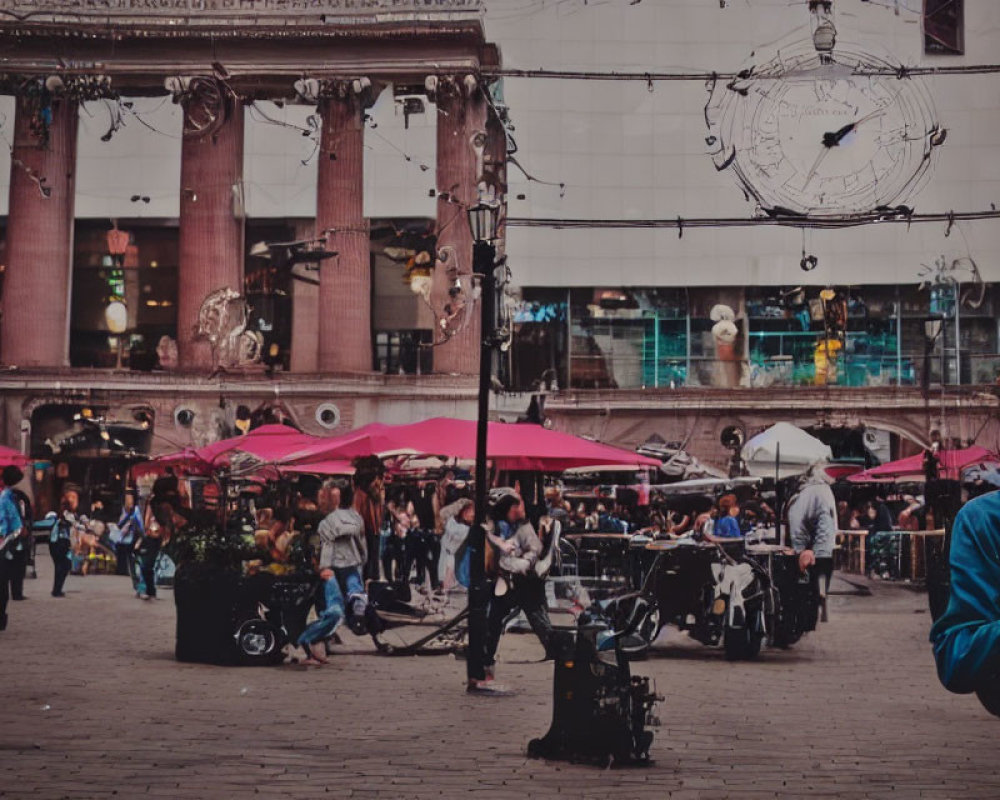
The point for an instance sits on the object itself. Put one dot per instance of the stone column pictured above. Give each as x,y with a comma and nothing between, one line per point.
38,277
211,227
461,116
344,329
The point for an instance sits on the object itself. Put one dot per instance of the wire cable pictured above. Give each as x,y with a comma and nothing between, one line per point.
681,224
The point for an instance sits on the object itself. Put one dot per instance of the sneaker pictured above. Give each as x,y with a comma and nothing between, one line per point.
58,594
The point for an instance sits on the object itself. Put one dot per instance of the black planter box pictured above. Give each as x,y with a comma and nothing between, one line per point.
206,600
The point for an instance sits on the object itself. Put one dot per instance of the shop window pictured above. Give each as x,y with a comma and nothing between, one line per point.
402,259
628,338
267,287
944,27
537,357
404,352
137,267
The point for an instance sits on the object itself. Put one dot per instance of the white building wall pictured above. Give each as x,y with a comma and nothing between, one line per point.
625,151
620,149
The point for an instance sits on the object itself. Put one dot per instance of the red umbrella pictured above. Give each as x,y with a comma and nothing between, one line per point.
510,447
12,458
375,438
951,462
268,443
329,467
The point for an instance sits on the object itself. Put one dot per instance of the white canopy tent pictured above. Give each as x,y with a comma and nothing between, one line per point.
785,450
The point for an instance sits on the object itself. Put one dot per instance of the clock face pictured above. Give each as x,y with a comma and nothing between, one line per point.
818,139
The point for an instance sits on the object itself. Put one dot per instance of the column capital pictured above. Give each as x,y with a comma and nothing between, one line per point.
464,85
361,90
47,87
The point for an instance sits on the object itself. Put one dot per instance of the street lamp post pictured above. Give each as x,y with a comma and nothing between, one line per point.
483,219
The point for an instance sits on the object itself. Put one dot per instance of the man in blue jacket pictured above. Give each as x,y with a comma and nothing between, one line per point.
967,637
11,532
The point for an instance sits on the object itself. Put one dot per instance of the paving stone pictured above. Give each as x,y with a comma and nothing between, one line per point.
95,706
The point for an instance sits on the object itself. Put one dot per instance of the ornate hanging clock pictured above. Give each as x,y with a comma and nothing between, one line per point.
817,134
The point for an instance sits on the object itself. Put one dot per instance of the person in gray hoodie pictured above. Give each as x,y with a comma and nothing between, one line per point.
812,519
342,553
812,527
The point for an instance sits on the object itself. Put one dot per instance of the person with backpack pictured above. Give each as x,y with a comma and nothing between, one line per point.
61,546
11,536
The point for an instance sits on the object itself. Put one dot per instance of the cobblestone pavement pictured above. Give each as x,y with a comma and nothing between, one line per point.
94,705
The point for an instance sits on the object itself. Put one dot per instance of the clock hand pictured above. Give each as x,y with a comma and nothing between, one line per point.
832,139
815,166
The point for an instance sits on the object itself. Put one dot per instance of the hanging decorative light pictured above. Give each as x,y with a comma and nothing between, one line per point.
116,317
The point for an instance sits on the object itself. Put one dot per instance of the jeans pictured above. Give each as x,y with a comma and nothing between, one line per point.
60,565
148,552
123,559
350,580
423,549
17,569
372,541
5,569
528,594
395,564
328,621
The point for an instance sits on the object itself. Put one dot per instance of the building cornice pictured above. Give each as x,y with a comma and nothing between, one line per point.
241,13
78,381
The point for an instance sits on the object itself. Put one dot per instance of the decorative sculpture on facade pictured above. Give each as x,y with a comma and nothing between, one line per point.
222,322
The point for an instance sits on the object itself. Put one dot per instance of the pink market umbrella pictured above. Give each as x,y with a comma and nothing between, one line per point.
375,438
951,462
510,447
185,461
267,444
12,458
520,446
326,467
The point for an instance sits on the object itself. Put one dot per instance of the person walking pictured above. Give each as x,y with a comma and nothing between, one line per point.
129,530
61,545
369,502
812,528
23,544
148,549
518,549
11,531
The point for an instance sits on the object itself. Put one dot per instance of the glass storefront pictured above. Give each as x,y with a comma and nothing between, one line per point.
604,338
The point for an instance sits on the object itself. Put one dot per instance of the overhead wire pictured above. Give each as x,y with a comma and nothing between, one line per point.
682,223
